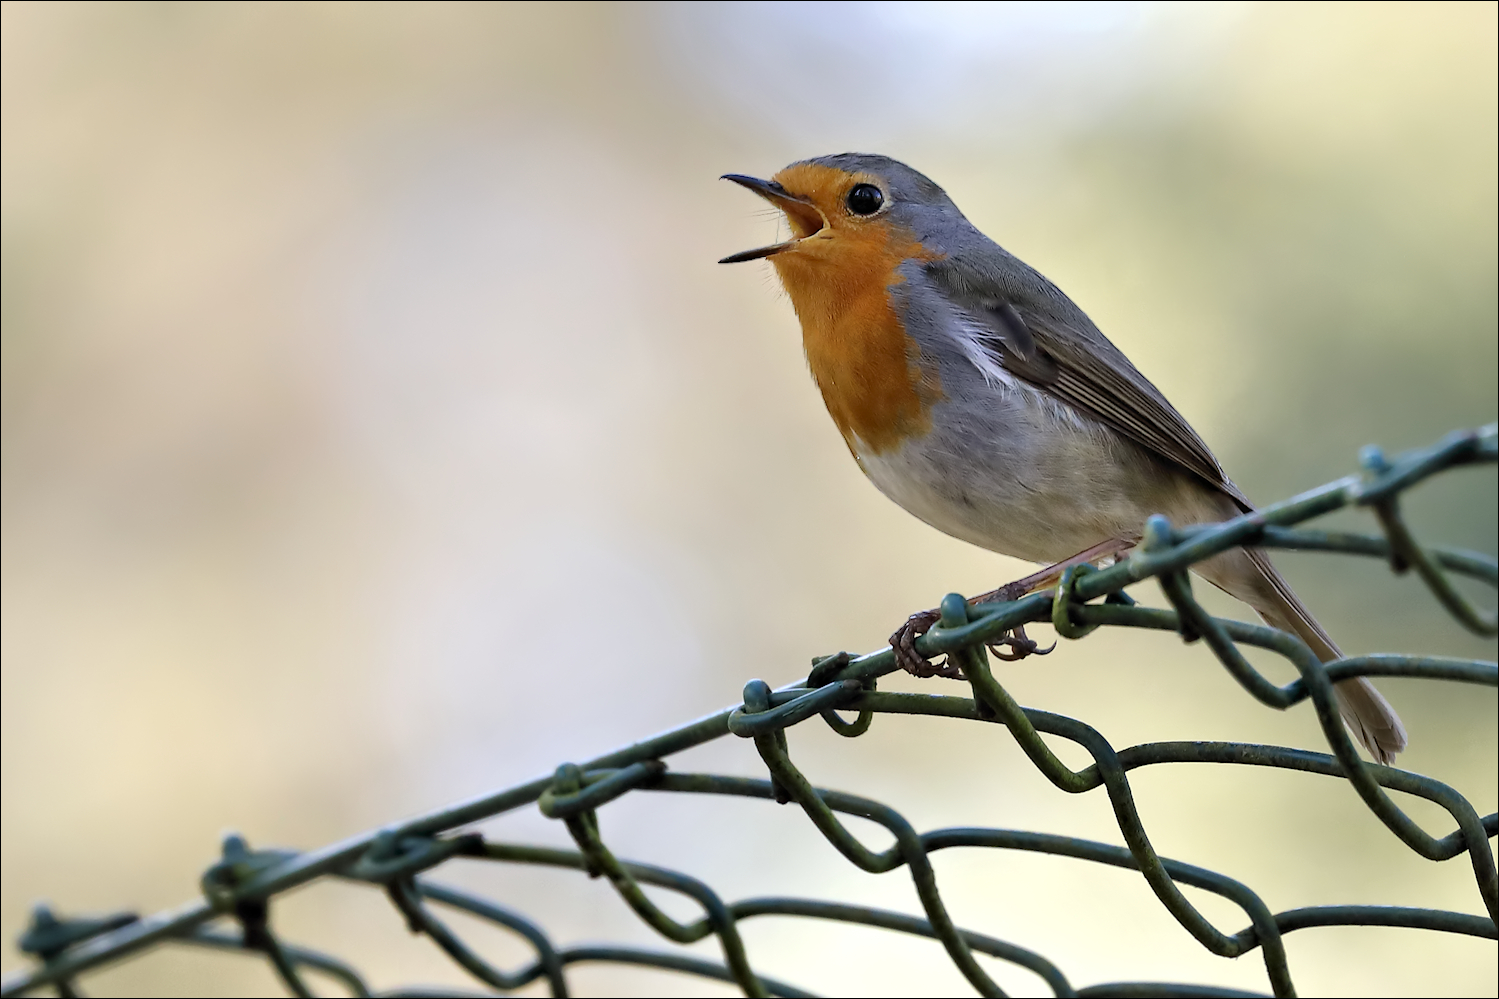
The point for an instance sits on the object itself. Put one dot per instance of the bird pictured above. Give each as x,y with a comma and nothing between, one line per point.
977,396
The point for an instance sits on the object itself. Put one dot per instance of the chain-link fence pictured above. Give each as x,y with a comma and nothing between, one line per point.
239,889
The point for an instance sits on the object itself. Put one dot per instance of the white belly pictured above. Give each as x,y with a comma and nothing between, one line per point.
1037,492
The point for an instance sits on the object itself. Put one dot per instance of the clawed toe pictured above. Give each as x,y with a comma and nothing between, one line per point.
903,644
1017,645
1013,646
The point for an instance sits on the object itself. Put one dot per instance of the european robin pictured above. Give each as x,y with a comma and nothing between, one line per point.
980,398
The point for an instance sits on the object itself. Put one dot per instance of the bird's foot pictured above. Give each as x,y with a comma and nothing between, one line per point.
1013,646
903,644
1016,645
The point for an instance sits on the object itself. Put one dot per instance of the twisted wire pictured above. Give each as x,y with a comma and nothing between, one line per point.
239,889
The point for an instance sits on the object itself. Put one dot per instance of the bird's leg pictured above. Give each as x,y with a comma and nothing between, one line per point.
1052,574
1016,644
1013,645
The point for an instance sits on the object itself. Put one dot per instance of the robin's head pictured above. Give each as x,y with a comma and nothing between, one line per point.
856,221
848,208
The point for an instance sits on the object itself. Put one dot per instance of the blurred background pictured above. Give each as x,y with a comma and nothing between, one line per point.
379,431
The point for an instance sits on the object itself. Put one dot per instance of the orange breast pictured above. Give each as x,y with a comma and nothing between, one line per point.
868,369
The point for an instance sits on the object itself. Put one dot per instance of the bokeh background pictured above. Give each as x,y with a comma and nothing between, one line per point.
379,431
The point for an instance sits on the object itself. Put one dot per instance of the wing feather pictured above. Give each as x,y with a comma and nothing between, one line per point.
1060,350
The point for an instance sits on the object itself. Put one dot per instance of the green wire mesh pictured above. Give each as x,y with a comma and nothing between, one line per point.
238,890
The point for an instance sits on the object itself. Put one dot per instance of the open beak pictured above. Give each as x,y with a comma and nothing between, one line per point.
800,213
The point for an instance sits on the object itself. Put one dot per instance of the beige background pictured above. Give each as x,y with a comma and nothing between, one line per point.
379,430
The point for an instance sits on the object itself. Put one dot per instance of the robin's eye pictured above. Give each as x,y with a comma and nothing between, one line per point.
865,199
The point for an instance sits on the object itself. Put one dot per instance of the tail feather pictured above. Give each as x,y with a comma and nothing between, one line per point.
1367,714
1371,719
